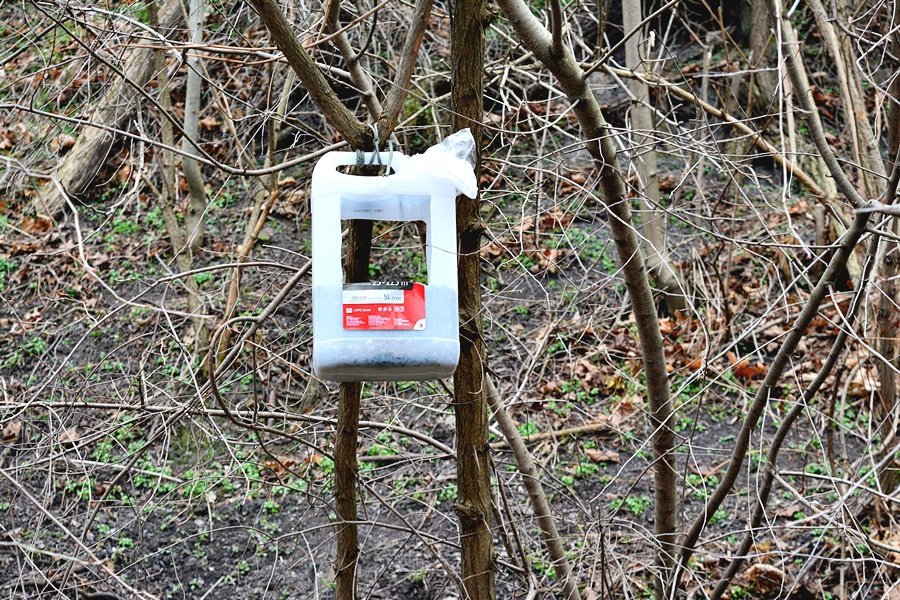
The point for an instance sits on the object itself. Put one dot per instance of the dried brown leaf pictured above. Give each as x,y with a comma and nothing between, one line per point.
765,577
36,224
209,123
668,182
742,368
12,432
69,436
624,410
124,173
600,456
695,364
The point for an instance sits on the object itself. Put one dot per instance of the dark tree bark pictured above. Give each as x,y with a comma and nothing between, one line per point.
470,400
346,467
888,319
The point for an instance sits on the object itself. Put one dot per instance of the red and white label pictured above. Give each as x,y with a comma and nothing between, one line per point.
387,305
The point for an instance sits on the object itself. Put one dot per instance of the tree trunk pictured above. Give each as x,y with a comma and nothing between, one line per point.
599,143
764,82
346,468
653,217
84,160
469,394
167,195
866,155
863,142
888,328
193,218
888,320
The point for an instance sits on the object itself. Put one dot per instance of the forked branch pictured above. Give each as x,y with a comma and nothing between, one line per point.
357,134
778,439
354,131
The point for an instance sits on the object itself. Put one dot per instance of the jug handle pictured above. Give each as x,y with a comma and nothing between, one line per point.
333,160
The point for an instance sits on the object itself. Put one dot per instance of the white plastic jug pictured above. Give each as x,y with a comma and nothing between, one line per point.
369,332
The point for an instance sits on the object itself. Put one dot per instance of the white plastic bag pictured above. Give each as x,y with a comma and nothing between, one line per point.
452,159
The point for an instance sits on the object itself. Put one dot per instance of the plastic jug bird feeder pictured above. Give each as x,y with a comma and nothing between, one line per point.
389,330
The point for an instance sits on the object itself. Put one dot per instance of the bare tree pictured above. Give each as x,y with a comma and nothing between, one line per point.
346,467
796,70
653,215
128,470
470,380
549,48
193,176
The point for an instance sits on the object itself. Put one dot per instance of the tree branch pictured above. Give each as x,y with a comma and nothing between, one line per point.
797,72
470,405
531,479
556,27
354,131
778,439
393,103
885,209
358,75
599,143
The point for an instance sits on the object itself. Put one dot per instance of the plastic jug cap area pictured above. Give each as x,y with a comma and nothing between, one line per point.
400,329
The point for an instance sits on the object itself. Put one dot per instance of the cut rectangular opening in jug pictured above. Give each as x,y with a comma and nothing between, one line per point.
393,298
398,251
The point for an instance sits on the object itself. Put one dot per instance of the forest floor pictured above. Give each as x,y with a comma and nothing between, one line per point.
199,517
97,372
